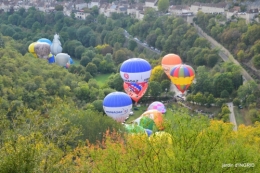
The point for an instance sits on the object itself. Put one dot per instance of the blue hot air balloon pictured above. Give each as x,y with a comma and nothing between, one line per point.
117,105
135,70
45,40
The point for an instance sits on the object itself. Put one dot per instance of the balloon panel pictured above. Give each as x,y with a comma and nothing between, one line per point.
135,65
71,61
147,123
42,50
62,59
135,90
51,58
158,106
137,77
45,40
31,47
117,99
182,88
132,128
118,113
148,132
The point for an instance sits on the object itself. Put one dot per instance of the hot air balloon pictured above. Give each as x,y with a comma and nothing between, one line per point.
135,70
42,50
117,105
45,40
56,45
182,76
156,116
62,59
169,61
135,90
158,106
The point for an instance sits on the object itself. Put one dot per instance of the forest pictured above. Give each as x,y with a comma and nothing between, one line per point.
52,118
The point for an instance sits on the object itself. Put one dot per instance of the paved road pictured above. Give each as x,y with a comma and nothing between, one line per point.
128,36
223,53
232,115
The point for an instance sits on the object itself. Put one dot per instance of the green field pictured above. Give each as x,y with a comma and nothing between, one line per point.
76,62
102,78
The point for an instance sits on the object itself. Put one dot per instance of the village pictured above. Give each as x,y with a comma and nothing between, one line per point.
135,10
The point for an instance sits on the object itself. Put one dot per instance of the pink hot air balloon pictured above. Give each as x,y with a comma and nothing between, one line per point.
158,106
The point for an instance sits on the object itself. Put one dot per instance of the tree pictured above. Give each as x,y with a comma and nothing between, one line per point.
256,61
115,82
157,73
132,45
84,61
154,89
163,5
91,68
98,105
120,56
59,8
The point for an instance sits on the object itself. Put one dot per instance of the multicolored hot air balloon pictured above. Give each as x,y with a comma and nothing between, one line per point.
169,61
156,116
135,70
117,105
158,106
182,76
135,90
151,119
51,59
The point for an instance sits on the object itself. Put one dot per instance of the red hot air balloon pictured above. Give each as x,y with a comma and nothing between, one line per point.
135,90
182,76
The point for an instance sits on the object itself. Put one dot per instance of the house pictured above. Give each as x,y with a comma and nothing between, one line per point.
102,8
151,4
80,4
139,11
232,12
122,9
251,14
94,3
80,14
5,6
180,10
218,8
111,8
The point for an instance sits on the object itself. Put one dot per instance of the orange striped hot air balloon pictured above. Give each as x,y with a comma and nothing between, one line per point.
169,61
182,76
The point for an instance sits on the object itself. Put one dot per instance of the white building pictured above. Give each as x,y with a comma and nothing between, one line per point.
211,8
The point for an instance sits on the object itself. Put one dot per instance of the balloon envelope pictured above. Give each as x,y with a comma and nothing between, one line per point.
169,61
147,123
156,116
158,106
135,70
133,128
117,105
45,40
135,90
42,50
62,59
182,76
